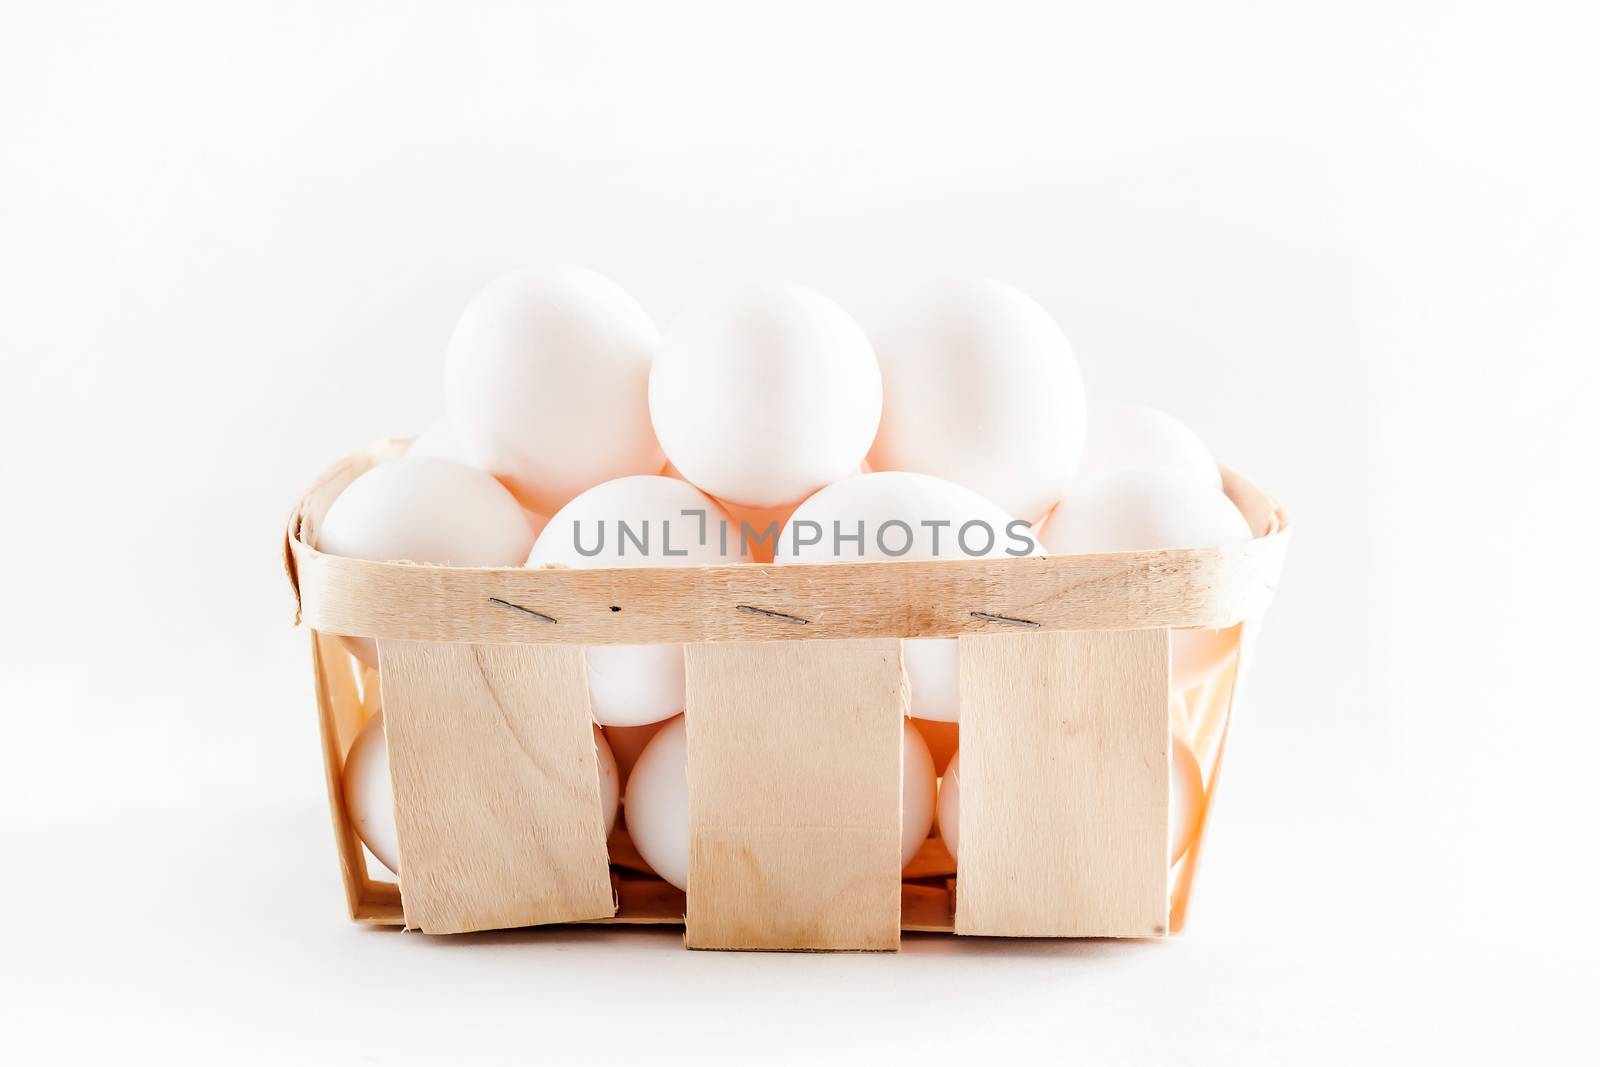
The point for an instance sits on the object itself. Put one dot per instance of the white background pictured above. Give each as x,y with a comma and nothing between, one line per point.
1354,245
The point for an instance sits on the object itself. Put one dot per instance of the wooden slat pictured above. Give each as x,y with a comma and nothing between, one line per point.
1212,588
497,788
1064,749
794,795
925,909
380,905
646,902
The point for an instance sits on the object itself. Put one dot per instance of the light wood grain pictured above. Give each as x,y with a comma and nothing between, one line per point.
646,902
307,515
931,598
925,909
496,784
794,795
1263,514
651,902
1064,749
380,905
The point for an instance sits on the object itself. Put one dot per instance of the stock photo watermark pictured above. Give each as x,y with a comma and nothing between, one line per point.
893,538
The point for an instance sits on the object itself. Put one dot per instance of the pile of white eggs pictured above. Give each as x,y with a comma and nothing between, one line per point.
568,413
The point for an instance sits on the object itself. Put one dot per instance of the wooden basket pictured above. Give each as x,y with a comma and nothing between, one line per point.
795,693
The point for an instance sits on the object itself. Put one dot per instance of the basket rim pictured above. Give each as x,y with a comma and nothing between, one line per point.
1173,588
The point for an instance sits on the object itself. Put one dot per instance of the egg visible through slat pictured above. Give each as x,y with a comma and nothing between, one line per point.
643,521
906,516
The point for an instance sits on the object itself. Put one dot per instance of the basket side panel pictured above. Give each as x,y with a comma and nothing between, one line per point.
1064,750
339,715
1210,714
496,785
794,795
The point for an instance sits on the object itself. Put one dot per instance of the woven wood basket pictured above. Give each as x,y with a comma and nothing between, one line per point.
794,736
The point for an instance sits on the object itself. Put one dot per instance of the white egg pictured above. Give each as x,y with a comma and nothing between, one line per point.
610,781
906,516
981,387
950,807
546,382
1133,435
1128,509
1199,654
423,509
627,742
765,394
369,791
933,670
656,804
1188,798
657,800
633,685
917,788
1186,804
641,521
369,796
1137,508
